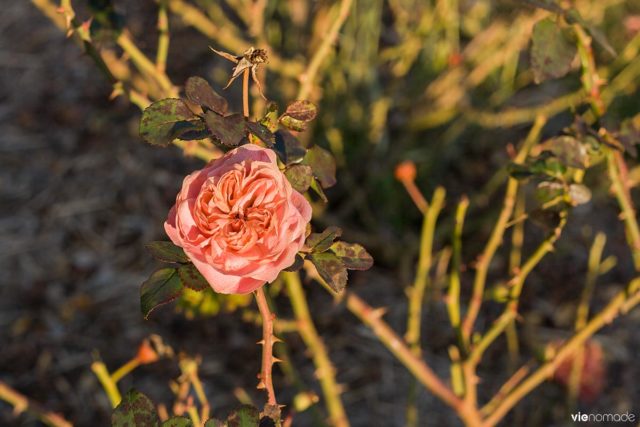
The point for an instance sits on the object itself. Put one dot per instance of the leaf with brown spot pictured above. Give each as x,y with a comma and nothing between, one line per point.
228,130
192,278
135,409
552,50
320,242
298,114
168,119
331,269
352,255
201,93
244,416
299,176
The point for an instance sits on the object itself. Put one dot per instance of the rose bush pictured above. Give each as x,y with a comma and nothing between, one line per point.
239,220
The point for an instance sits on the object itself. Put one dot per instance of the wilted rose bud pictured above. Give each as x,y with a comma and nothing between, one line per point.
146,353
406,171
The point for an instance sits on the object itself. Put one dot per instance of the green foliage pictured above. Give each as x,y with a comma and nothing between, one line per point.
323,165
177,422
299,176
167,252
331,269
320,242
552,50
162,287
244,416
352,255
136,409
168,119
191,277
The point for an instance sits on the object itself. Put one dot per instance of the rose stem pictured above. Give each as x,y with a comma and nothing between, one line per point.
268,339
245,93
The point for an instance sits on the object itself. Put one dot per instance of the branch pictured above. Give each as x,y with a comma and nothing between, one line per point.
309,75
422,372
22,403
268,340
622,303
325,370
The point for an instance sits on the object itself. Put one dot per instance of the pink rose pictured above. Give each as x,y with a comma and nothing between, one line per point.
239,220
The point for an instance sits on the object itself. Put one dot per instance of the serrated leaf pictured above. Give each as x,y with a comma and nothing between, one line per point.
161,288
331,269
227,130
178,422
135,409
320,242
552,50
288,147
299,176
214,422
352,255
579,194
192,278
270,119
244,416
168,119
167,252
262,132
298,114
201,93
323,165
570,151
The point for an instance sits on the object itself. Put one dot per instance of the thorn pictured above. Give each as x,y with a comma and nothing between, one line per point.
276,360
261,342
261,385
378,312
276,339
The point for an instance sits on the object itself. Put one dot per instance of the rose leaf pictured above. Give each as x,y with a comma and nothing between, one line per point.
552,50
228,130
352,255
161,288
167,252
288,147
323,165
192,278
178,422
244,416
331,269
134,409
168,119
320,242
262,132
201,93
299,176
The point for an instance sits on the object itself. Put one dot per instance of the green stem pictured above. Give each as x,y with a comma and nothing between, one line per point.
107,382
325,371
622,303
163,38
621,191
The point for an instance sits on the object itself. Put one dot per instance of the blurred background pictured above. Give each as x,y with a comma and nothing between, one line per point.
429,81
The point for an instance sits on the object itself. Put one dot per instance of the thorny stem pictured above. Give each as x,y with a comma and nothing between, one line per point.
615,164
21,404
582,313
422,372
417,291
622,303
484,260
329,39
325,371
163,38
268,340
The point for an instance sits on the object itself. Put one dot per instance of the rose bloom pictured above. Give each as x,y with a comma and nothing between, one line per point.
239,220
